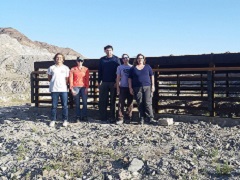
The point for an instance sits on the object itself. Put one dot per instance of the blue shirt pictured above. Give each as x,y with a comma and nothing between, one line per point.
123,72
141,77
107,69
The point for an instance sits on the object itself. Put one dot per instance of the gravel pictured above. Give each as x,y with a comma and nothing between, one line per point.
30,149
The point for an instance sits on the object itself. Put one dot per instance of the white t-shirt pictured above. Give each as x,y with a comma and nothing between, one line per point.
59,75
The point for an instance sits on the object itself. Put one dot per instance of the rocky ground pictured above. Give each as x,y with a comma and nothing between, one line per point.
30,149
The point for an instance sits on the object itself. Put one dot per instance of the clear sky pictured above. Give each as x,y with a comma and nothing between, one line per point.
150,27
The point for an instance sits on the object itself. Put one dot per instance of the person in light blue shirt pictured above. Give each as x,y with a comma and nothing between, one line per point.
123,91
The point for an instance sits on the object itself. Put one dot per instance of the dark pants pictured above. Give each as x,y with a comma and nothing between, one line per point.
143,97
104,90
81,113
125,95
64,99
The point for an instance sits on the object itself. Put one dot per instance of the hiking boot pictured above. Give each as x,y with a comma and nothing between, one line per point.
52,124
65,123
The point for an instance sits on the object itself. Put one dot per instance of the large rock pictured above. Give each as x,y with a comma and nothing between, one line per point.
135,165
165,121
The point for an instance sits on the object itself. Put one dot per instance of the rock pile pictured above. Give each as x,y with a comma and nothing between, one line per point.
30,149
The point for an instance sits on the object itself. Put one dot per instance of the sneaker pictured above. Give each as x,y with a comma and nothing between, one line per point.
85,118
141,121
78,119
149,120
52,124
119,121
65,123
128,120
111,120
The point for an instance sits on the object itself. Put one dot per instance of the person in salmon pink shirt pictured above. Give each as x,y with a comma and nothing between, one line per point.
79,84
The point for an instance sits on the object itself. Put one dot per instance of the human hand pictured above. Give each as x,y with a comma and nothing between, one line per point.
131,91
153,88
86,90
73,92
118,90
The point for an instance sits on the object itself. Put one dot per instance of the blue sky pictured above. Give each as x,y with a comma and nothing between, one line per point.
150,27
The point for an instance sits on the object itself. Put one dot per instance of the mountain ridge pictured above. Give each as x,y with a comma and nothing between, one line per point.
24,40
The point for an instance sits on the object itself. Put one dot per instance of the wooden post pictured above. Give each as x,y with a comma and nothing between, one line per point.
95,84
178,85
227,85
156,96
201,84
210,87
36,89
32,85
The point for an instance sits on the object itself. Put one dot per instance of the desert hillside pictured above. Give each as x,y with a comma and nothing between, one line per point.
17,56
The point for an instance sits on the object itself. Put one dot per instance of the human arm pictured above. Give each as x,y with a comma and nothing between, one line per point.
87,81
71,82
152,82
151,74
100,72
117,84
67,75
49,72
49,77
130,86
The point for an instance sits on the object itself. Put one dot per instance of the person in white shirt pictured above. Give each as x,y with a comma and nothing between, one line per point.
58,77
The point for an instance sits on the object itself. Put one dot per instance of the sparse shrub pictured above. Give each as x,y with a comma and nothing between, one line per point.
213,153
224,169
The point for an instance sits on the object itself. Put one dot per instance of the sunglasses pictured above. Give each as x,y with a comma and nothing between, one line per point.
125,57
79,60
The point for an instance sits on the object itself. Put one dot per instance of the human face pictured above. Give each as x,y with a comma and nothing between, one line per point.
125,59
109,52
59,59
140,59
79,63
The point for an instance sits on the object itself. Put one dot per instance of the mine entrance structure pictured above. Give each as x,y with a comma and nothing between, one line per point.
206,85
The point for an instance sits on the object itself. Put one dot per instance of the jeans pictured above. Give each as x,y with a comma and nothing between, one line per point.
143,97
84,96
64,101
104,90
125,95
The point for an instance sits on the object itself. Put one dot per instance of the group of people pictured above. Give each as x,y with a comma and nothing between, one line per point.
125,80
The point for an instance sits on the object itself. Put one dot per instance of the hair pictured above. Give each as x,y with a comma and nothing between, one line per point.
108,47
55,57
136,62
125,55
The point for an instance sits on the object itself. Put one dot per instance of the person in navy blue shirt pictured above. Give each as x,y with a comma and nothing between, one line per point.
107,83
141,85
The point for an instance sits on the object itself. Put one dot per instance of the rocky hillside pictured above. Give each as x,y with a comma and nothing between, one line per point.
17,56
30,149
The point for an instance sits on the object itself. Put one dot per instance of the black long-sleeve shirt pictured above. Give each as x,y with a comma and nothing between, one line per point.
107,69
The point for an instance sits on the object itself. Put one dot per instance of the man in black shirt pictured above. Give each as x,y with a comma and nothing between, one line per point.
106,81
